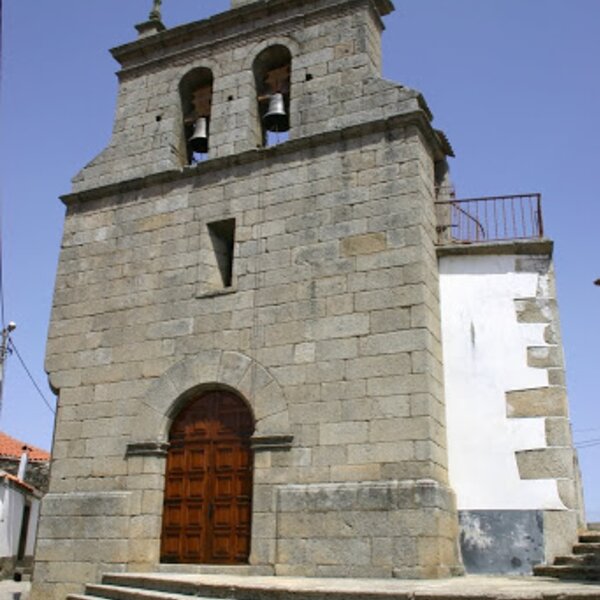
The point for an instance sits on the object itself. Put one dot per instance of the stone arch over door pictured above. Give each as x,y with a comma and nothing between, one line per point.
209,370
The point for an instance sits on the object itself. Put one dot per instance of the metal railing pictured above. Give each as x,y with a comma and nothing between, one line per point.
491,219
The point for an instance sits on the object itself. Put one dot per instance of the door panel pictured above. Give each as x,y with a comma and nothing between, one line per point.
208,483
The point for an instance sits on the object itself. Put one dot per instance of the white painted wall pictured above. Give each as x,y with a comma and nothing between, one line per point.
10,522
12,502
485,355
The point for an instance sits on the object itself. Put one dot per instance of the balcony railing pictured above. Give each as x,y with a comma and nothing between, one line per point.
491,219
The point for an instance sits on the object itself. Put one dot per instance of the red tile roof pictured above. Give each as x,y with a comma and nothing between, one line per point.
12,448
16,481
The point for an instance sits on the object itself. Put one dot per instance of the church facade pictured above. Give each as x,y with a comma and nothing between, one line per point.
271,344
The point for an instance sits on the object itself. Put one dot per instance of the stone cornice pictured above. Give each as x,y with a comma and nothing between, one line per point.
418,118
147,449
253,19
271,442
542,247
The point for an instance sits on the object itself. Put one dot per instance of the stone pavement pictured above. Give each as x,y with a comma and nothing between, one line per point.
465,588
13,590
471,587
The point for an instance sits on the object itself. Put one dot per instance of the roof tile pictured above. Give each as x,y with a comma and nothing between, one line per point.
13,448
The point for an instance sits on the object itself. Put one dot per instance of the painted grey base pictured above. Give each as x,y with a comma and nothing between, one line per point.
501,542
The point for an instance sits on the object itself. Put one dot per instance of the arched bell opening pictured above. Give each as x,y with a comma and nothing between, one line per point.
272,74
208,481
196,90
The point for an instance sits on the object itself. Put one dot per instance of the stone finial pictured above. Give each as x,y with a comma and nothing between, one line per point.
150,27
155,14
154,23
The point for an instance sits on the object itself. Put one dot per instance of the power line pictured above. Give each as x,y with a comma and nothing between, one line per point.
588,443
587,429
593,440
37,387
591,443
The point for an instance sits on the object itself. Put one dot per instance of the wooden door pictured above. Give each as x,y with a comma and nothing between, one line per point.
208,485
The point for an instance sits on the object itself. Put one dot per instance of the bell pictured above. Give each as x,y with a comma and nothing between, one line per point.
276,118
199,139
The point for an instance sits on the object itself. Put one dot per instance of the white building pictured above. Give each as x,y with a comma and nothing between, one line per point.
19,511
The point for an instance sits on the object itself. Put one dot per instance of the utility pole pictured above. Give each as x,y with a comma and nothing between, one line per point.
3,354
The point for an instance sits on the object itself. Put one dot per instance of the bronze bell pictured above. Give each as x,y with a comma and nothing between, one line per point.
199,139
276,118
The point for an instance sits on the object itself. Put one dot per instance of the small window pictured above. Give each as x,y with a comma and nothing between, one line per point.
222,238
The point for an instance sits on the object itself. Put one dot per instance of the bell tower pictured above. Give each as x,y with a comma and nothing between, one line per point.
261,228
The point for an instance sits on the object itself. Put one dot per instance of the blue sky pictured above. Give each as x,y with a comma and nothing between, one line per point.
514,83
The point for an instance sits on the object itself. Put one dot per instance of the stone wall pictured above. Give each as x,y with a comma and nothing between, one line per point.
335,298
404,528
330,328
37,473
558,459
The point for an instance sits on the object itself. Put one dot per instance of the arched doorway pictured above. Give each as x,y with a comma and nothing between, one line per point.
208,484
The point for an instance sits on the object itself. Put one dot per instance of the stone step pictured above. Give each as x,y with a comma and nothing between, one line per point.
173,585
589,537
583,564
586,573
587,548
113,592
586,560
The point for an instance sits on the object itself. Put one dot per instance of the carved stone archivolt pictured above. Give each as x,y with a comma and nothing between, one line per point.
213,370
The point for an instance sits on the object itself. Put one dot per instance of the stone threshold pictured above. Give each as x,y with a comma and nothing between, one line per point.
227,570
